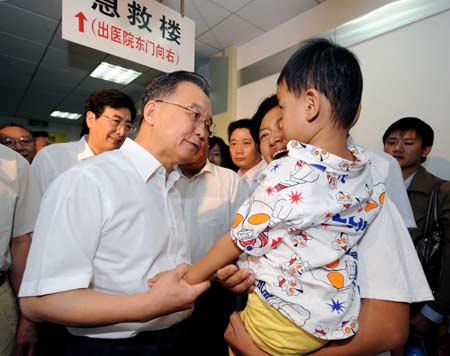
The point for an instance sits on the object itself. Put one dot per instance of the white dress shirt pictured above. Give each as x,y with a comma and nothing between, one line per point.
19,201
250,178
109,224
55,159
210,201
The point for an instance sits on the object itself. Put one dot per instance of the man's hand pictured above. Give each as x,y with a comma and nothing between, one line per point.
26,337
171,293
422,324
235,279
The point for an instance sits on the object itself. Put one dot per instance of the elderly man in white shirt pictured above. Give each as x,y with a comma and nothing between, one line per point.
109,116
19,204
211,196
109,224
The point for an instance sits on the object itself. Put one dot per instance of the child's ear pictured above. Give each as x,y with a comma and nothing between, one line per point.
312,103
149,112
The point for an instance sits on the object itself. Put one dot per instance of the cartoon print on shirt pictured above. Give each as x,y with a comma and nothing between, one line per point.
319,154
347,328
376,196
300,239
321,332
296,265
290,286
287,209
345,199
292,311
303,173
340,241
340,274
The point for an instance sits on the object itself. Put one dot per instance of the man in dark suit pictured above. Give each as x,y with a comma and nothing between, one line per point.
410,140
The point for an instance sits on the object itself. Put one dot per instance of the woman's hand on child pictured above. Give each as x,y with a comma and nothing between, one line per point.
239,340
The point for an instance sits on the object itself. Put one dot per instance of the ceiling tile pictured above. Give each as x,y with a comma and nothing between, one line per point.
10,99
74,102
231,5
234,31
209,38
25,24
20,48
204,50
66,60
191,12
93,84
267,14
211,13
15,67
49,8
38,104
56,80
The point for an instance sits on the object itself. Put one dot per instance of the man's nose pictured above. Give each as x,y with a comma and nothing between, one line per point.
398,146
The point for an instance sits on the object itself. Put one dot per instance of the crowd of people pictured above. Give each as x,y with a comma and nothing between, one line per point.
292,240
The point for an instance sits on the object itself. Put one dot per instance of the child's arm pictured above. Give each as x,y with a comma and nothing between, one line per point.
221,254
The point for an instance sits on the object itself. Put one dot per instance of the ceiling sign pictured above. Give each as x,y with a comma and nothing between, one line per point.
142,31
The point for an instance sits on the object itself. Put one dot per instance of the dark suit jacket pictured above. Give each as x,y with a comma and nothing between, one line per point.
419,192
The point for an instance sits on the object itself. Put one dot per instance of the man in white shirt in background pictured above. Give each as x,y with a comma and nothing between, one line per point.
211,196
112,222
108,119
19,205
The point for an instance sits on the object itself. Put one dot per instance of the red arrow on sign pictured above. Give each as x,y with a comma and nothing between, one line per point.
81,19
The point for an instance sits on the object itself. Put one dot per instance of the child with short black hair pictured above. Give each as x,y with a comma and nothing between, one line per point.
300,227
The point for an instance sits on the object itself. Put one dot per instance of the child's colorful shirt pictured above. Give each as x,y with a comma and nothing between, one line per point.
300,228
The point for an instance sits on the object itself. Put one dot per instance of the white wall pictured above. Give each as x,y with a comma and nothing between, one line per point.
406,73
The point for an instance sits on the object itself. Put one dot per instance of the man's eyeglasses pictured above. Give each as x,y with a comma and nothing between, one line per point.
201,119
116,122
12,141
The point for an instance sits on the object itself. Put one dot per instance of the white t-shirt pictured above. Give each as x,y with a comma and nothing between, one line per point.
19,201
210,201
301,227
55,159
389,268
109,224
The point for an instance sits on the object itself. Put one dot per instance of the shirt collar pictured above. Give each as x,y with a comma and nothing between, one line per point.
145,163
252,171
409,180
207,168
84,151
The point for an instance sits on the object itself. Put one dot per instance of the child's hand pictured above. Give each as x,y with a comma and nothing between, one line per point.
152,281
238,280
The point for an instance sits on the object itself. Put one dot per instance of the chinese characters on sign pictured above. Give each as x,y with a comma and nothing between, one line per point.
143,31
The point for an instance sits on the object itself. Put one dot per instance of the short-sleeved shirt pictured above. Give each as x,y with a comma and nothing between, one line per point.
210,201
109,224
19,201
55,159
301,227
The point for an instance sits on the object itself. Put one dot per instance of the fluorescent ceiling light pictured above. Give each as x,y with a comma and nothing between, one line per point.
65,115
114,73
